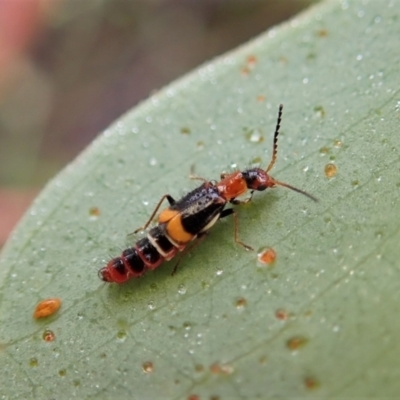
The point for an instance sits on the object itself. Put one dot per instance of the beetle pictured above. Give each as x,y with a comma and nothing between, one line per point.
191,217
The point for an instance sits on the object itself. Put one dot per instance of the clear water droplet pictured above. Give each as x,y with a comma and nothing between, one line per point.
182,289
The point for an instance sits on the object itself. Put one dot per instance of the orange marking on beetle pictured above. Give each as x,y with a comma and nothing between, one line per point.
232,185
166,215
47,307
176,231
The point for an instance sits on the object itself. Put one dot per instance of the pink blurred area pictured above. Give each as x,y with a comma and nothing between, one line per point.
69,68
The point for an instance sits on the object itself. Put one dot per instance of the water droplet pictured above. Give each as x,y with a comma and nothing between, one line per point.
324,150
153,161
241,303
94,213
47,307
147,367
255,136
244,71
251,61
219,272
296,342
319,111
330,170
311,383
281,314
267,255
337,143
48,335
121,335
185,130
359,57
151,305
33,362
260,98
221,369
182,289
62,372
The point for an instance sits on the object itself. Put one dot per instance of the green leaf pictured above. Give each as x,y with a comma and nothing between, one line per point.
322,321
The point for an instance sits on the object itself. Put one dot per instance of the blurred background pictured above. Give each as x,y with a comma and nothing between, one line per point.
68,68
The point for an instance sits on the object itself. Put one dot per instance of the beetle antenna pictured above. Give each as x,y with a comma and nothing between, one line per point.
295,189
275,145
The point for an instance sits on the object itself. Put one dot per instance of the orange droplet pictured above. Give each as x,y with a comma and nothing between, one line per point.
185,131
266,256
322,33
148,367
296,342
47,307
244,71
337,143
324,150
221,369
281,314
241,303
311,383
94,211
193,397
48,335
251,61
260,98
330,170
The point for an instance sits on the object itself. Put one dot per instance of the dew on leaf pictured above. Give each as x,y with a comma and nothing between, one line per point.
121,335
330,170
47,307
322,33
182,289
94,212
33,362
319,111
281,314
185,130
221,369
267,255
296,342
147,367
241,303
324,150
337,143
311,383
260,98
251,61
48,335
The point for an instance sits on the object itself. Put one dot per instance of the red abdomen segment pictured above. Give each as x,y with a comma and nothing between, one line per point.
147,254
